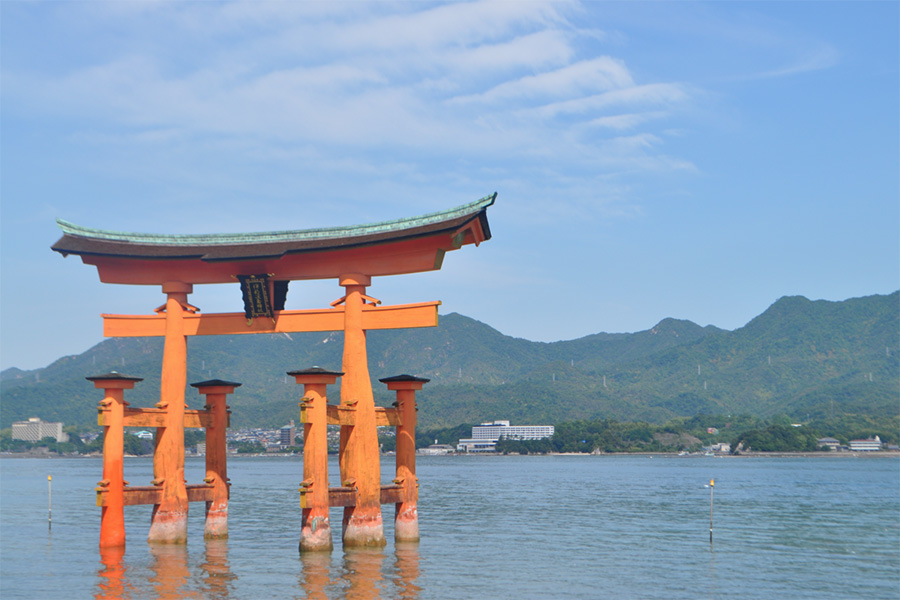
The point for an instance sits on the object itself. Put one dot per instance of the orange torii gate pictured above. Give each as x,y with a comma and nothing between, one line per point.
265,263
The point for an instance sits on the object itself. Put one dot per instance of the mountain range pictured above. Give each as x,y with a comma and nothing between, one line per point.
800,358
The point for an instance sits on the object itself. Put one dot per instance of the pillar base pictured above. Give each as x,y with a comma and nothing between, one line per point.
406,526
216,527
168,527
363,531
112,527
316,536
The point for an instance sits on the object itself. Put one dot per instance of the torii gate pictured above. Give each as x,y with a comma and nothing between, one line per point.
265,263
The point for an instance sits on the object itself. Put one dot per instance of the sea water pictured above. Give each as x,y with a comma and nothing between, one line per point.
491,526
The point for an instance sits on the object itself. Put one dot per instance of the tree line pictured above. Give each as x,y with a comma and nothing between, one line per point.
742,432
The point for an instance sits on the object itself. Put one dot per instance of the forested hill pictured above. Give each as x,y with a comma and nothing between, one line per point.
802,358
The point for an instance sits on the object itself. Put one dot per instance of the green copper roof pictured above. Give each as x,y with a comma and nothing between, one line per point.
299,235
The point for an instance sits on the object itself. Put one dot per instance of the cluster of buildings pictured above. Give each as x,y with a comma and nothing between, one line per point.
272,440
872,445
484,437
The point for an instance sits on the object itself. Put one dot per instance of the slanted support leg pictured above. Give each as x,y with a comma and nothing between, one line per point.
315,531
406,515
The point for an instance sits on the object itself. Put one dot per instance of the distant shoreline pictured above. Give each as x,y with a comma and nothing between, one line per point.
845,454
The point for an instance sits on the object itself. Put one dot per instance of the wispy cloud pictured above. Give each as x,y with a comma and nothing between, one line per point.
364,88
598,74
821,57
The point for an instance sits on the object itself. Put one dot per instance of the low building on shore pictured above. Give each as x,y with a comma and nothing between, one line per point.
436,450
829,442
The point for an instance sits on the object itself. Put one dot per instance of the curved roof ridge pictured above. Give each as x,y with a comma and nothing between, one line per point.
323,233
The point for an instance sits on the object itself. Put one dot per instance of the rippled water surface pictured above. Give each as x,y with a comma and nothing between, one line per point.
493,527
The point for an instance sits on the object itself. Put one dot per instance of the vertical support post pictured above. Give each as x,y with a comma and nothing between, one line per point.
360,459
169,521
111,415
712,485
215,391
315,531
406,515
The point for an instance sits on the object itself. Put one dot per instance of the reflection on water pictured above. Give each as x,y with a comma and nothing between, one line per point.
112,583
170,570
785,527
357,573
362,572
315,575
217,575
407,565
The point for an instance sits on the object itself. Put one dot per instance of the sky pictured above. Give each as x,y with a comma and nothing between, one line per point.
694,160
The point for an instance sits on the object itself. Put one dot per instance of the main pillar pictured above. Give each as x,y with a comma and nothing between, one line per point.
169,521
112,515
406,514
216,390
315,531
360,460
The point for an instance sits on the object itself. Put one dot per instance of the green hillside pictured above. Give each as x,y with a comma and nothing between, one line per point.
800,358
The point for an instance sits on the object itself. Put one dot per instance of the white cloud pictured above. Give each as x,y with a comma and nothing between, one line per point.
458,25
597,74
625,121
534,51
365,90
814,59
640,95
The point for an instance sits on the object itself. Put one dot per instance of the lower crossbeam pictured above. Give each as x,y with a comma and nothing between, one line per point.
151,494
346,496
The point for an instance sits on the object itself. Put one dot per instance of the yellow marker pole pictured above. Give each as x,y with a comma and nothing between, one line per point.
712,485
49,502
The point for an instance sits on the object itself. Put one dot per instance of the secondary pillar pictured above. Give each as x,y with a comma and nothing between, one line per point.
360,460
216,391
315,531
406,515
112,409
169,521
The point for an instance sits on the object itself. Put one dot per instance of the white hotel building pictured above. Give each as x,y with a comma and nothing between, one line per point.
34,430
866,445
485,436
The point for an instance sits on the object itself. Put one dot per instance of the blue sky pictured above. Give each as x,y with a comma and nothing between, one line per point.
652,159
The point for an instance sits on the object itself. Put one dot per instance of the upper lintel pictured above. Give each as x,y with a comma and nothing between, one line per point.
387,248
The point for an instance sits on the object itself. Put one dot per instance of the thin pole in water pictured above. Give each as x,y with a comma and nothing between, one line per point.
49,502
712,485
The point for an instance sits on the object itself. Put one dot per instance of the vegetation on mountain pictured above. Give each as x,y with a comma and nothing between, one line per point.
809,360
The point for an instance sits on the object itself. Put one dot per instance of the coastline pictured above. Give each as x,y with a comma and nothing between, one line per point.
845,454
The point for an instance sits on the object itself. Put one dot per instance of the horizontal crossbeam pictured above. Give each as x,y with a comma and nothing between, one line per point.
346,496
151,494
346,416
400,316
156,417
